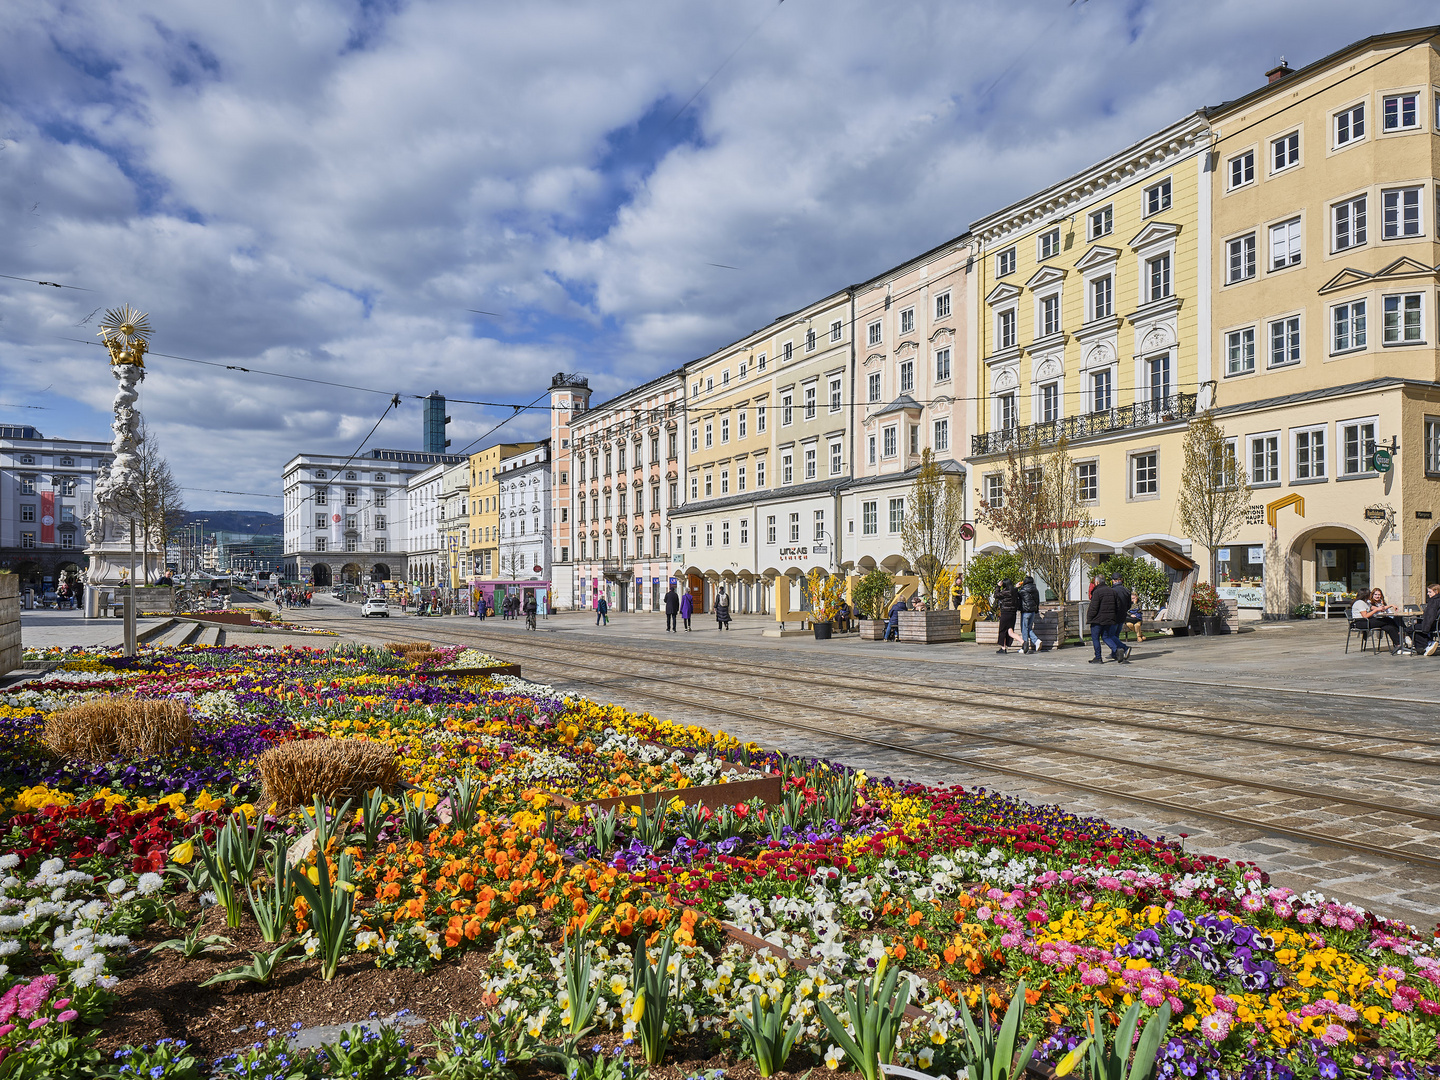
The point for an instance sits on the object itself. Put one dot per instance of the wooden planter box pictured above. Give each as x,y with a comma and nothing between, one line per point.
872,629
768,788
473,672
930,627
987,632
10,651
229,618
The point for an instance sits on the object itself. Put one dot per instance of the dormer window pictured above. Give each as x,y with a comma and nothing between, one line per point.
67,461
320,474
27,459
351,476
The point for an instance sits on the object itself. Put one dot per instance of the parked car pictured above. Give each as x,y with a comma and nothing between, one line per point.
375,605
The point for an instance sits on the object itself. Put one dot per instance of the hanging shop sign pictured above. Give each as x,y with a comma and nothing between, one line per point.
1382,460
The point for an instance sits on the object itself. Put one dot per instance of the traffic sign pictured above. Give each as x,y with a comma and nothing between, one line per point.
1382,460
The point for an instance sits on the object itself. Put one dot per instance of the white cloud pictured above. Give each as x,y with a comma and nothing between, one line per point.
324,188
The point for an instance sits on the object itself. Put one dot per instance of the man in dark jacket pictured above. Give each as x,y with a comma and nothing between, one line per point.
1426,636
1029,597
672,608
1108,606
892,625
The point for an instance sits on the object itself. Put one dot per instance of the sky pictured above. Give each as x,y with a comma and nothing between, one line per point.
331,189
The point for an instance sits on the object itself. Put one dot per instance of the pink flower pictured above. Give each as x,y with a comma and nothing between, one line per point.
66,1001
1152,997
983,914
1215,1027
1223,1003
1283,909
1010,940
1346,1013
6,1029
1252,903
1094,977
1346,922
39,1022
1333,1035
68,1015
1305,916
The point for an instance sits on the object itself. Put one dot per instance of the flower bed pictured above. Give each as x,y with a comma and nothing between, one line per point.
463,886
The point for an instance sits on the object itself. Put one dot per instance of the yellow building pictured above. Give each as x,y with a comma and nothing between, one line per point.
1093,325
1325,345
485,506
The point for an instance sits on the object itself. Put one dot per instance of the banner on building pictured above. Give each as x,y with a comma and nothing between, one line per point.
47,517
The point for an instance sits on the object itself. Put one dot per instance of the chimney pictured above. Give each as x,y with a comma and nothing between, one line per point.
1278,72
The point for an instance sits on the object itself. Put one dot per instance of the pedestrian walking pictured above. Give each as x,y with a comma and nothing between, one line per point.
1029,597
687,608
1108,607
1007,603
722,611
672,608
602,612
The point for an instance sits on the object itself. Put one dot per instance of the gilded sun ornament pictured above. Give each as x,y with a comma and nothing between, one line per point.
126,333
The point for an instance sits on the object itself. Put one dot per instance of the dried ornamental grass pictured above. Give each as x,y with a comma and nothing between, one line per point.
294,773
113,727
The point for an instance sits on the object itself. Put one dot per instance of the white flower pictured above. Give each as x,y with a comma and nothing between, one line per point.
926,1057
207,899
9,947
834,1057
50,866
150,883
92,911
116,887
108,982
82,977
9,862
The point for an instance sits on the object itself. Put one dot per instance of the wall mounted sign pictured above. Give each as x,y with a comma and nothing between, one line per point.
1422,515
1375,513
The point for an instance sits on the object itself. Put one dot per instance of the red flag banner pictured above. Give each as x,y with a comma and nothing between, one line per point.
47,517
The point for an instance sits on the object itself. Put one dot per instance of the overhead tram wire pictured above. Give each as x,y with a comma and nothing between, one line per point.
52,284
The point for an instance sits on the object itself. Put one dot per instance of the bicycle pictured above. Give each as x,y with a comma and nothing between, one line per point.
530,620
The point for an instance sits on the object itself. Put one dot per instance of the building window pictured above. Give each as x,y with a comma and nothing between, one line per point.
694,489
1348,220
1240,259
1087,481
565,551
942,365
1005,408
320,521
379,543
787,410
1349,126
872,333
760,473
1285,341
379,521
67,540
27,512
837,328
1050,243
1402,111
693,543
379,500
1285,244
1242,169
770,529
809,463
709,484
1310,454
1157,275
1144,475
1049,402
724,483
890,448
724,429
760,419
674,442
1347,322
1432,445
1157,198
1102,396
321,496
1101,222
744,531
1005,262
870,441
744,423
942,435
994,490
787,469
907,377
694,439
835,394
709,434
835,459
874,384
1005,329
907,321
1050,315
1102,298
942,306
897,515
870,517
724,534
794,528
1400,210
1240,351
67,485
320,543
1264,459
1285,152
819,525
739,484
809,403
809,340
709,384
709,534
760,361
674,493
1403,325
914,438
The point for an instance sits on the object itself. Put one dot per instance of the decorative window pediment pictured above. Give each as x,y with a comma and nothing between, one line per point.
1002,293
1345,279
1157,232
1046,275
1099,255
1405,267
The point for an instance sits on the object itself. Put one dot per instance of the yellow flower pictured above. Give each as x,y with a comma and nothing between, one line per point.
1067,1064
183,853
637,1013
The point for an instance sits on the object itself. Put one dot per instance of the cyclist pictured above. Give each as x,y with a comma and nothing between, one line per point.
530,609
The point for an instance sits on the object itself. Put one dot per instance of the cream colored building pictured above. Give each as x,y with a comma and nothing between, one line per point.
485,507
1324,278
1093,325
569,398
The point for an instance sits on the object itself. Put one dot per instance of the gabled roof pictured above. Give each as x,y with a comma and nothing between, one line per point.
1098,255
904,403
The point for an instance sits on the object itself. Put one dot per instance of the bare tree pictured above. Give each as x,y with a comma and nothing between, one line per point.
513,565
1214,490
930,534
1041,515
159,506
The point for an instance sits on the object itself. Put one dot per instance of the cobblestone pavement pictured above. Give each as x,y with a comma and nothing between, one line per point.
1277,728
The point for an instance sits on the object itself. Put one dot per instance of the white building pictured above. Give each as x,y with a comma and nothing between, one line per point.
455,523
346,518
46,488
424,562
525,516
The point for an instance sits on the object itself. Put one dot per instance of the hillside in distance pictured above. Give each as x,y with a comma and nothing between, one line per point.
255,522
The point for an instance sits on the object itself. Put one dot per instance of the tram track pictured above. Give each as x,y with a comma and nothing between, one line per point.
986,765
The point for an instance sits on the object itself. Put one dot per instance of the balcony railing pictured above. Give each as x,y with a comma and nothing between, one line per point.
1140,415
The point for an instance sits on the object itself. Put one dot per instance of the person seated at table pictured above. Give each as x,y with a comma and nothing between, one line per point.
1425,635
1370,612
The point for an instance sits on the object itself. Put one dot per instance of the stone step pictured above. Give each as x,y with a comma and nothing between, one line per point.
179,634
209,635
149,633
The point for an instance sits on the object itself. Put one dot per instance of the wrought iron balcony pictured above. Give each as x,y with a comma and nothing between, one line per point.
1142,414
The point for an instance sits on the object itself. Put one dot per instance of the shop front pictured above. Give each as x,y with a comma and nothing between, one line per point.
493,595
